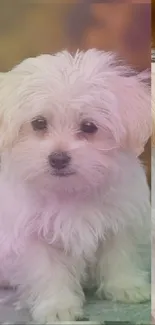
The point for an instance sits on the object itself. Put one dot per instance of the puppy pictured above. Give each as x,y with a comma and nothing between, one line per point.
74,200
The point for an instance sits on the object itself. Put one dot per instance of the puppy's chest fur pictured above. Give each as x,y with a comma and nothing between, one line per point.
73,227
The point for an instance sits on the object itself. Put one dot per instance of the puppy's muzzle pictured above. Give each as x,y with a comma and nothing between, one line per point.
59,160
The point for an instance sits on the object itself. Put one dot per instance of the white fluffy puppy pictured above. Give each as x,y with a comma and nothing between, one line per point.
74,201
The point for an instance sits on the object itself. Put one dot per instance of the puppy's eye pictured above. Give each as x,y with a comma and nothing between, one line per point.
88,127
39,123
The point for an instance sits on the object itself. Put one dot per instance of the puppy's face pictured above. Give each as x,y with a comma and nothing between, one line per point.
64,126
64,144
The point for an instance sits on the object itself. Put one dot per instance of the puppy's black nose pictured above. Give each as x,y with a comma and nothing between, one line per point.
59,160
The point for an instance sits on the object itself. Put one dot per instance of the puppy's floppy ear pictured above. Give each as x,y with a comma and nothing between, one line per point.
133,93
12,97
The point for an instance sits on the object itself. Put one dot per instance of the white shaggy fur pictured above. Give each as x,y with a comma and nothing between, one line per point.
57,233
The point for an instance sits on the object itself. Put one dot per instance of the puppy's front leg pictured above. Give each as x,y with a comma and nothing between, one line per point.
47,280
121,274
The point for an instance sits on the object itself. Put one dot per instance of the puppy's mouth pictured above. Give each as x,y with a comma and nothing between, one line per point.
63,173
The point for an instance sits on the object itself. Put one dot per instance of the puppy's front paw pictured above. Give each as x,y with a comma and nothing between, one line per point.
126,293
58,310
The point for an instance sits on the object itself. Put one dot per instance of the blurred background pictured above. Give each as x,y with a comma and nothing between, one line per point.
29,28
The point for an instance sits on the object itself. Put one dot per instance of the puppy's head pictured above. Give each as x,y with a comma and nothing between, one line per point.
64,118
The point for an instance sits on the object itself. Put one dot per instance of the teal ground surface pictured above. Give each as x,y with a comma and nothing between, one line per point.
96,311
